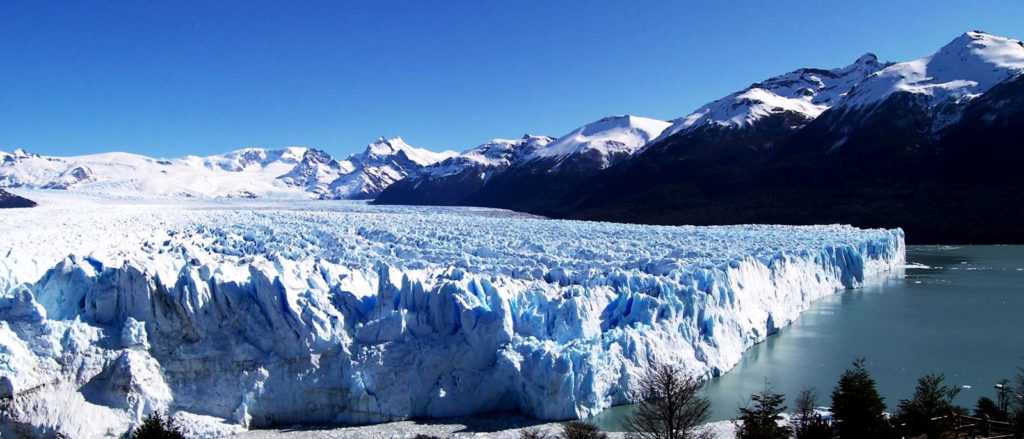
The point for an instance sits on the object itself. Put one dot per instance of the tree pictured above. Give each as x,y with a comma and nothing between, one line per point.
808,423
987,407
581,430
762,420
1016,405
1003,395
856,405
670,406
931,409
533,433
156,426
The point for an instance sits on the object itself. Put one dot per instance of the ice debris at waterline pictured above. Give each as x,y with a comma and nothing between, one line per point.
253,313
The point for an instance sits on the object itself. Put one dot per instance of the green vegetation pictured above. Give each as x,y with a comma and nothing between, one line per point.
156,426
931,411
762,420
857,408
807,422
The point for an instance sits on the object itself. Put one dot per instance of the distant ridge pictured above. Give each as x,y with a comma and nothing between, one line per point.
293,172
931,145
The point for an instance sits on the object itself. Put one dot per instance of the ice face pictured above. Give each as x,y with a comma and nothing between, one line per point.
256,313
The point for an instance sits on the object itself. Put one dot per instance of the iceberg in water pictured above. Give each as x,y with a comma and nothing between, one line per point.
244,313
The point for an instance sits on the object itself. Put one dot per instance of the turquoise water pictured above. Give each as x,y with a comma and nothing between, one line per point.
963,315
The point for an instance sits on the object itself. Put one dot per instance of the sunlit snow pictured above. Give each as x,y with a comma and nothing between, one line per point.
247,313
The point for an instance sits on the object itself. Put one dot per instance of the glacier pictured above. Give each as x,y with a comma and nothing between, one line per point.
241,314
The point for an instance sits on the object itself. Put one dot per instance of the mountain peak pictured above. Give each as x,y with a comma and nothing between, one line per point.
21,153
867,58
964,68
616,117
386,146
805,93
610,138
977,46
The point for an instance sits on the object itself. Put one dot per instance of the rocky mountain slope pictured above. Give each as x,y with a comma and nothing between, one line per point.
450,181
529,169
924,144
9,200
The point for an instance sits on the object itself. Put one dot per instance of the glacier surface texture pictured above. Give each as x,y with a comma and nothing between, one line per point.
246,313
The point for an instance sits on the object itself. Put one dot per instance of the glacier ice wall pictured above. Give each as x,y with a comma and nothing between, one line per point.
256,314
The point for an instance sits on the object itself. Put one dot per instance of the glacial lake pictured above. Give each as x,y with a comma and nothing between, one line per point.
955,310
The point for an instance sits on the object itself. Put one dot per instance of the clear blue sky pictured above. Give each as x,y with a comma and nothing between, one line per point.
168,78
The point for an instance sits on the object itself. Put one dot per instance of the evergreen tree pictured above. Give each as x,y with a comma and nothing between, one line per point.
156,426
931,409
762,420
987,407
856,405
808,424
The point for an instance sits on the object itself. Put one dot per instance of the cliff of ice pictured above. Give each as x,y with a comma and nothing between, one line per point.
247,313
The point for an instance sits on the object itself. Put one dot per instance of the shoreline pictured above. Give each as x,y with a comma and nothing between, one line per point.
500,426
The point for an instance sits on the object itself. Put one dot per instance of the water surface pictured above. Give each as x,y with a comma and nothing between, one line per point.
958,312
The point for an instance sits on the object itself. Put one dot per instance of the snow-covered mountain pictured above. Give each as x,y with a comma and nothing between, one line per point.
449,181
251,172
246,172
490,157
780,104
596,145
501,172
847,145
383,163
909,105
802,94
958,72
315,171
864,149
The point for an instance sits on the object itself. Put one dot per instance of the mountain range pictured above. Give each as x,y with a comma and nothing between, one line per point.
249,172
931,145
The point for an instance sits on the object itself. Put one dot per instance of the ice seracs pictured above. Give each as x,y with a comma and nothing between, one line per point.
241,314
